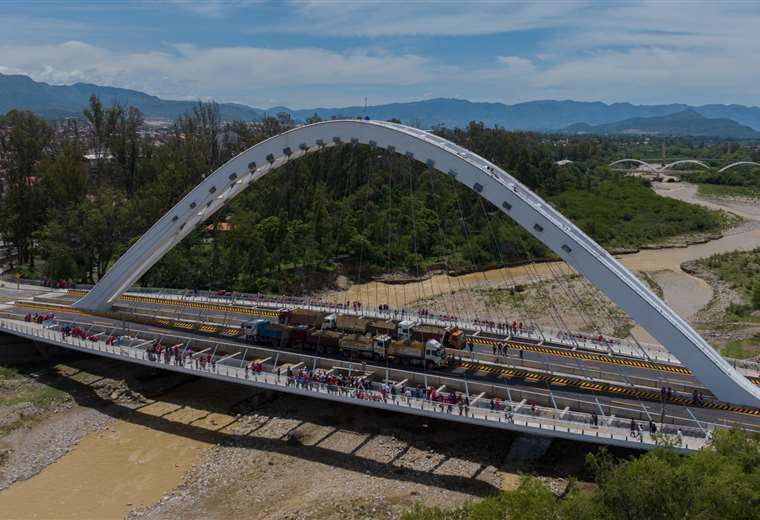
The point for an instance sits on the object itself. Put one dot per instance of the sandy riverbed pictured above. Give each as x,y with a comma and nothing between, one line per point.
128,464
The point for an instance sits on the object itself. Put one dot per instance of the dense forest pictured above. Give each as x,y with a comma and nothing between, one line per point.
352,208
722,481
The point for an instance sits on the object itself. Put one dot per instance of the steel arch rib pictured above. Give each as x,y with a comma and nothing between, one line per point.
738,163
637,161
485,178
685,161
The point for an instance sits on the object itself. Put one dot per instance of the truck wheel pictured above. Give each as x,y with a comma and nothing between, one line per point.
320,349
428,364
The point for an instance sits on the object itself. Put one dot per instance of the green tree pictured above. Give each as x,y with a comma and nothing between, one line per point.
22,148
756,295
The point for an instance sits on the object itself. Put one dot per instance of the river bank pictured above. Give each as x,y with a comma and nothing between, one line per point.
443,293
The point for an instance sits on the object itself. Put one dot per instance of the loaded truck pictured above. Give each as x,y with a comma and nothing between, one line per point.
265,331
453,337
307,317
409,352
356,345
323,341
346,323
449,337
383,327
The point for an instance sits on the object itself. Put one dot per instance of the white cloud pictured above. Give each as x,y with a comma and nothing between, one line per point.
395,18
229,73
516,64
215,8
634,51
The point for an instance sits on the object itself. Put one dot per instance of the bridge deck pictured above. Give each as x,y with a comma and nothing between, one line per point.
544,422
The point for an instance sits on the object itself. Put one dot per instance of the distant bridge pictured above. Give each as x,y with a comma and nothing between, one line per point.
655,169
685,161
738,163
643,164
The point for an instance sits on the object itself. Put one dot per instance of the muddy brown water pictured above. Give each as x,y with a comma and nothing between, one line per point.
683,292
131,463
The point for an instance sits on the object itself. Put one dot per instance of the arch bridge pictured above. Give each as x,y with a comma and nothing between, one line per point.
643,164
738,163
684,161
486,179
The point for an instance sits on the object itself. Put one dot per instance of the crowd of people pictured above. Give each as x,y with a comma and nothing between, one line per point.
38,318
502,349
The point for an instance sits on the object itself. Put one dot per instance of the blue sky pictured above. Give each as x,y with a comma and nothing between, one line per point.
311,53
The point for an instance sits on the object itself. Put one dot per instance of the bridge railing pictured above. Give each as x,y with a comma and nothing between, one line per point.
133,349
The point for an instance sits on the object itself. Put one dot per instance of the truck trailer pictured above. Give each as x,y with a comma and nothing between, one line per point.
307,317
430,354
347,323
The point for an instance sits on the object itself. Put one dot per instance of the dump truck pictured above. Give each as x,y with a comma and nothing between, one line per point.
347,323
265,331
405,329
383,327
426,332
409,352
323,341
310,318
354,345
454,337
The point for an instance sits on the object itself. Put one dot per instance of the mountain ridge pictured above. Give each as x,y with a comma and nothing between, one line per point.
688,122
60,101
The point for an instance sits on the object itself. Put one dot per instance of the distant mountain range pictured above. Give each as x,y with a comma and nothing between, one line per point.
60,101
688,122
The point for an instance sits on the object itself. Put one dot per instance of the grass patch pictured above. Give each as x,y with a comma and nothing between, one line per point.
740,269
725,190
16,387
651,282
742,348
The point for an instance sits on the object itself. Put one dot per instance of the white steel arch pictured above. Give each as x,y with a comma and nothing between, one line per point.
738,163
485,178
636,161
685,161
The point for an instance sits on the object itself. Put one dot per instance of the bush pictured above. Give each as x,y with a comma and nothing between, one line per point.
720,481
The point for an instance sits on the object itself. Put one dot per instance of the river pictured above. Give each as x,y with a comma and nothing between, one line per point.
685,293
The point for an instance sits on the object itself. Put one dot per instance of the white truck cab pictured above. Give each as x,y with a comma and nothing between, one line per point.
330,322
435,352
405,328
